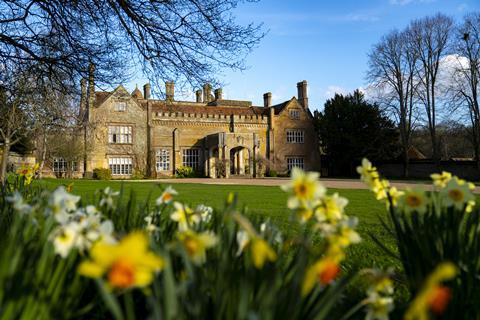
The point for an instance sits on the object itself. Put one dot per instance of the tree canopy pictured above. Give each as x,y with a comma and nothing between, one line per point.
351,128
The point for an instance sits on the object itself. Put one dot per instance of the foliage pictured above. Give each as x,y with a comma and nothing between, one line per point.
102,174
351,128
271,173
187,262
430,229
185,172
137,174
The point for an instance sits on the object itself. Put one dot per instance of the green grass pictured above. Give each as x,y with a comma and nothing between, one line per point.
268,202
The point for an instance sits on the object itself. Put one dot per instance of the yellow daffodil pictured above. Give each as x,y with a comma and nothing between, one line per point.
184,215
414,200
433,296
379,297
324,271
304,187
196,244
261,252
27,172
395,195
367,171
126,264
304,213
457,194
440,180
331,208
345,236
167,196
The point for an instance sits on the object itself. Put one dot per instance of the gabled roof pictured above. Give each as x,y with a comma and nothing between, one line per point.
281,106
100,97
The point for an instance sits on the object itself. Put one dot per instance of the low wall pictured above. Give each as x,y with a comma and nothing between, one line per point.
422,169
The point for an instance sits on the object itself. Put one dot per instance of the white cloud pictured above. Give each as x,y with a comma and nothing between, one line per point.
405,2
333,89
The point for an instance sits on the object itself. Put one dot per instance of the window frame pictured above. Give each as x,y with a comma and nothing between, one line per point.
120,106
188,159
295,136
294,114
120,165
162,160
120,134
295,162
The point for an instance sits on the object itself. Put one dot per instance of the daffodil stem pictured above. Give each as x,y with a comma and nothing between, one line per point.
353,310
129,308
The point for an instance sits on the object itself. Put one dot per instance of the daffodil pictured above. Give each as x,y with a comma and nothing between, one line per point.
27,172
304,187
440,180
65,238
331,208
367,171
126,264
19,203
414,201
395,195
184,216
62,204
204,212
196,244
243,239
261,252
324,271
433,296
457,194
379,297
345,234
106,197
167,196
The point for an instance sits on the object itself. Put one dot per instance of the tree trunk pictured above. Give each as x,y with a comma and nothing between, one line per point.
44,155
3,168
406,164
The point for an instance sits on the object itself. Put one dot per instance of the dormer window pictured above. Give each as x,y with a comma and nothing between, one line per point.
295,114
120,106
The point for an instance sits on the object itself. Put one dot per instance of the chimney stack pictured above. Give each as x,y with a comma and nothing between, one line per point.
302,93
198,94
91,87
146,91
218,94
207,92
267,99
169,90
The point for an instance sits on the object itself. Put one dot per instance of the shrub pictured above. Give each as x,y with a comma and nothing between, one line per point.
432,228
102,174
185,172
137,175
271,173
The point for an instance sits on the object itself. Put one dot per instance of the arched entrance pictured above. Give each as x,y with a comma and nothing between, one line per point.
240,161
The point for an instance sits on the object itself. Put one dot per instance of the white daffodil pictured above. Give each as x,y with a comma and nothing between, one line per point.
167,196
107,195
19,203
150,227
243,240
184,216
204,212
62,204
65,239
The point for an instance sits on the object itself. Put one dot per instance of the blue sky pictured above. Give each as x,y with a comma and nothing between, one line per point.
323,42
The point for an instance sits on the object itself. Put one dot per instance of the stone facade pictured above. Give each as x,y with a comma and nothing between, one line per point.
131,132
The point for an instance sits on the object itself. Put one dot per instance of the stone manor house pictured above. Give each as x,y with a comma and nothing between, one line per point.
132,132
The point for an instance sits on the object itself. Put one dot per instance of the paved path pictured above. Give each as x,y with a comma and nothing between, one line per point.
329,183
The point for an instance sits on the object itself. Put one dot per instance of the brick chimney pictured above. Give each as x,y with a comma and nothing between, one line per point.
207,92
198,95
147,90
169,90
218,94
267,99
302,93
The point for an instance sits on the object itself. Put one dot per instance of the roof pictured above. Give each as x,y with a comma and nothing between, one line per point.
137,94
189,107
100,97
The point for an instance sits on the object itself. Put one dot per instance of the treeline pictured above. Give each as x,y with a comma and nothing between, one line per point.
426,77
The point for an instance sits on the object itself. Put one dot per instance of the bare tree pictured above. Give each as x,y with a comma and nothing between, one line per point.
429,39
466,87
171,40
13,115
392,72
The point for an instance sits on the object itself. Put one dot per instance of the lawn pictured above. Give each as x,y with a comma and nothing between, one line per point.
268,202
